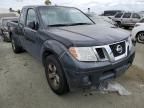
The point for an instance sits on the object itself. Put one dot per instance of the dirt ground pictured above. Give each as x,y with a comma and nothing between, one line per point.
23,85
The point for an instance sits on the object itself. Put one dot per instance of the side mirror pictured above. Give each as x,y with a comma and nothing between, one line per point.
33,25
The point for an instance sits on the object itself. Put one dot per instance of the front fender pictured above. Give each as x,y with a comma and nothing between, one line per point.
53,46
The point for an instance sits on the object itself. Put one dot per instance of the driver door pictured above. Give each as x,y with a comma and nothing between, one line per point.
31,34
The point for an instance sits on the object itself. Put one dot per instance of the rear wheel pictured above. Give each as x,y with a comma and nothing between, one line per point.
15,47
55,75
119,23
140,37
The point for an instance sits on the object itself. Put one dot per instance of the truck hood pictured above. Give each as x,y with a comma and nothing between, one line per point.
90,35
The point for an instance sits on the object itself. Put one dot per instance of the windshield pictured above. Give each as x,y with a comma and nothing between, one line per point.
63,16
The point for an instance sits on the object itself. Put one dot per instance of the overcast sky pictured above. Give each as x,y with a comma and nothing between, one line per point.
95,5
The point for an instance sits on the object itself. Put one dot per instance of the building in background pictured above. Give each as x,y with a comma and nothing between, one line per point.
2,10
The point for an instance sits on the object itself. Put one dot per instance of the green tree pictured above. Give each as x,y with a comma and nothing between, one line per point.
47,2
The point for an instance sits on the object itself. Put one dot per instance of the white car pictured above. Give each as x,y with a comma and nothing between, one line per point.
138,32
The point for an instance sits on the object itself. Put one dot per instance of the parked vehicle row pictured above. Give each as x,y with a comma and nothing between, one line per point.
137,33
127,19
76,52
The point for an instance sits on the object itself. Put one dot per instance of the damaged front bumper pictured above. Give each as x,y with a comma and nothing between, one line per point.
88,74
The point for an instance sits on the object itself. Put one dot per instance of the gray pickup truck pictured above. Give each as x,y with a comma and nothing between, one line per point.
76,52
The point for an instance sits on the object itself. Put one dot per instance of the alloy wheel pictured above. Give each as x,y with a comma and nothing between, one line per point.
140,38
53,76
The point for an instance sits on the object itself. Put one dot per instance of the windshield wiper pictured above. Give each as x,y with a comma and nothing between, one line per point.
57,25
72,24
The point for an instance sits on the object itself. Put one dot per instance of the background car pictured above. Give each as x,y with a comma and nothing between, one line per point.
138,31
127,19
101,19
4,27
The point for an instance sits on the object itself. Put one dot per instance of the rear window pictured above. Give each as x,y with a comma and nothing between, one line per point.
135,15
127,15
119,15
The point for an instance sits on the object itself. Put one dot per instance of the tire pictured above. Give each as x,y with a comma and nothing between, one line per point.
119,24
140,37
55,76
16,49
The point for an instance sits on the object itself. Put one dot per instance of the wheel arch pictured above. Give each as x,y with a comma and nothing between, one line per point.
52,47
46,53
138,33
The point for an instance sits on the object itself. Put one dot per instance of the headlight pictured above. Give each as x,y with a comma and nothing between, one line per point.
83,53
130,43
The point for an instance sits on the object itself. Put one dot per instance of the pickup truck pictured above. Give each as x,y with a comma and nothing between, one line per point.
75,52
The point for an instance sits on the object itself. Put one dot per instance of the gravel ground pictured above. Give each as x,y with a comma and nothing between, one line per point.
23,85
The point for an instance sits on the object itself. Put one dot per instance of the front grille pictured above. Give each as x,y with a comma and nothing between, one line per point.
118,48
100,53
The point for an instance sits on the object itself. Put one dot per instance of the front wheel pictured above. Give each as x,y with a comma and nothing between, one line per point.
55,75
140,37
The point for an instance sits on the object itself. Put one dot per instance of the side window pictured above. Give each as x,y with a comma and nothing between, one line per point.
135,15
119,15
127,15
31,16
22,17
